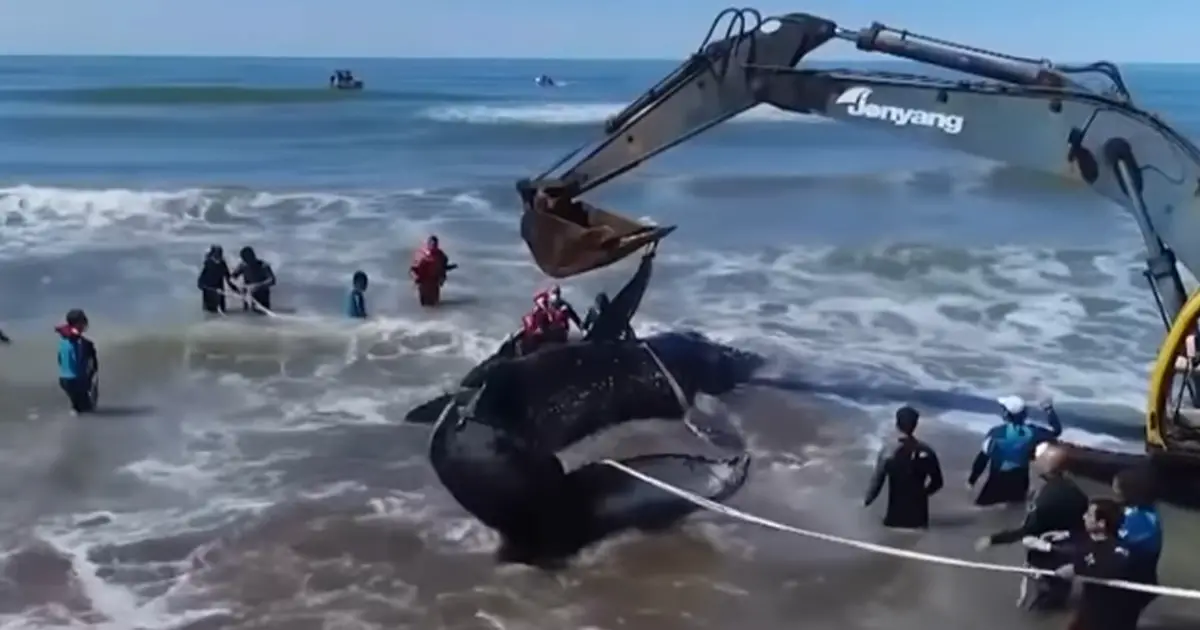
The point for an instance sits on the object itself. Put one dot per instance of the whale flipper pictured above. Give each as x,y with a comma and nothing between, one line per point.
430,412
598,500
618,501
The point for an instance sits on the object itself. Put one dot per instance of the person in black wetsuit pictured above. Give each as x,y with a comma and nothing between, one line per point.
593,316
1100,554
4,338
912,472
213,280
257,278
1058,506
1007,451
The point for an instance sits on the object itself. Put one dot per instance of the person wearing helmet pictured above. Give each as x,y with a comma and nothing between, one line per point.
428,271
1007,451
213,280
356,304
257,279
78,363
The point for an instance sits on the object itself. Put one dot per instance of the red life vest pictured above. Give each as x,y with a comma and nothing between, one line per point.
427,264
534,323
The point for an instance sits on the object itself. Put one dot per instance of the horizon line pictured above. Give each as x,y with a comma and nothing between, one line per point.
884,59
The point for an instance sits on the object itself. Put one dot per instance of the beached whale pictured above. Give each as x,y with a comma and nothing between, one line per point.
494,447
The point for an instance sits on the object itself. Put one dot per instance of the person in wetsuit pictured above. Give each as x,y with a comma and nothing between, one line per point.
356,302
4,338
1140,532
912,472
1007,451
78,363
1057,506
593,316
257,279
1101,555
213,280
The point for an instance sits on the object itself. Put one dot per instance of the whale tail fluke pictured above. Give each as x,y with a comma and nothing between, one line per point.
615,501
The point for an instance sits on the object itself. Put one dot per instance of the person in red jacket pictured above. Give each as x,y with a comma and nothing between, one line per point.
428,272
534,327
559,314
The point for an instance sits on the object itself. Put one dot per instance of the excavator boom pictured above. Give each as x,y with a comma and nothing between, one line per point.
1026,112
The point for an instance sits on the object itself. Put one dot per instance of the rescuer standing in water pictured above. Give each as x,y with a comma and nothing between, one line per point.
1007,451
912,473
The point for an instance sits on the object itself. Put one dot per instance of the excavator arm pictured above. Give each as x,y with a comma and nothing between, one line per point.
1030,113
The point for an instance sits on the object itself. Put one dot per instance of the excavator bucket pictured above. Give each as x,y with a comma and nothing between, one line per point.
568,237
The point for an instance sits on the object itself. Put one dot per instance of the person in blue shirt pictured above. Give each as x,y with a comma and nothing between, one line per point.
78,364
1007,451
356,302
1141,532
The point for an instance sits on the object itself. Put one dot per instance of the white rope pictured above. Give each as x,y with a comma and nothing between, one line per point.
249,298
682,398
685,407
719,508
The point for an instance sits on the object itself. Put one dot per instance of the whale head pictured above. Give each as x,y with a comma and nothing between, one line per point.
701,365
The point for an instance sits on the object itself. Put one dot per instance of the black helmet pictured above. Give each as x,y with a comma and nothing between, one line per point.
360,279
247,254
216,251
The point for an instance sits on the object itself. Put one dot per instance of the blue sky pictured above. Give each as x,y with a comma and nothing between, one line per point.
1149,30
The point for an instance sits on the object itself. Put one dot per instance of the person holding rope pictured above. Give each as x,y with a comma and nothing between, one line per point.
912,473
257,278
1099,554
1057,506
213,281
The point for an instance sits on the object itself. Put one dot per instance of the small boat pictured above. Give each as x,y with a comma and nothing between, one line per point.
344,80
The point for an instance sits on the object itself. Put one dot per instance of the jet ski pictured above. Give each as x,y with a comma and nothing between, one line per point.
545,80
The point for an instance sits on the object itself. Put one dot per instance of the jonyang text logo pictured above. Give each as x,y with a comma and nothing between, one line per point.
857,105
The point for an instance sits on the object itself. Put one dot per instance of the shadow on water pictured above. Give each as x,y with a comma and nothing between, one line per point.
459,300
944,400
118,411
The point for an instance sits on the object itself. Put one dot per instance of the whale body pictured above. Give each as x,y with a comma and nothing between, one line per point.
494,446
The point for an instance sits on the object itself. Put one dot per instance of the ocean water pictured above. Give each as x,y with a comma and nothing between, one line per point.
254,474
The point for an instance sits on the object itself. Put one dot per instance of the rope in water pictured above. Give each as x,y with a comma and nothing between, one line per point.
746,517
246,297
